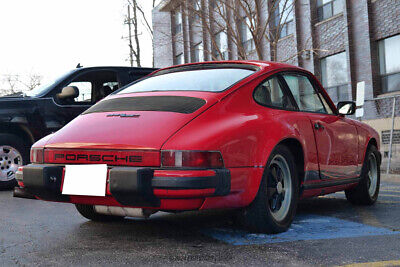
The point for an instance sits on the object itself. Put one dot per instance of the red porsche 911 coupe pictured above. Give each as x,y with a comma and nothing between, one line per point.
256,136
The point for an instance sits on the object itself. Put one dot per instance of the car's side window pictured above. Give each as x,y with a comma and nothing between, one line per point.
270,93
307,98
85,91
92,86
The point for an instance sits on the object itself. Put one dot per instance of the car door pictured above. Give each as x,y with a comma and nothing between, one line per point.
336,137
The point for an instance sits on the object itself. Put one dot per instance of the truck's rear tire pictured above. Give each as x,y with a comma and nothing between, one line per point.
14,152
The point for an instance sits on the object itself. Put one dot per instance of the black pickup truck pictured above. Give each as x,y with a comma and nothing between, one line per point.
25,118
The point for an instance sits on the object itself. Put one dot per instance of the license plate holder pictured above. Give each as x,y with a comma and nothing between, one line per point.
85,180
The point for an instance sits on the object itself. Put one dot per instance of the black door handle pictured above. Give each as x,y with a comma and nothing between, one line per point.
318,126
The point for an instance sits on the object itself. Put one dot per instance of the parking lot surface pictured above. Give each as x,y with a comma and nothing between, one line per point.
327,231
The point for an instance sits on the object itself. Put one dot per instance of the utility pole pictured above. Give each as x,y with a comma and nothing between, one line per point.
130,36
134,54
136,34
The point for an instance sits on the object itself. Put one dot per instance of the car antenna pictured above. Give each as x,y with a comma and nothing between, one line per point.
78,66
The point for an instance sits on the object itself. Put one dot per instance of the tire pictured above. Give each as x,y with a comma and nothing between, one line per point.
272,211
367,190
88,212
15,147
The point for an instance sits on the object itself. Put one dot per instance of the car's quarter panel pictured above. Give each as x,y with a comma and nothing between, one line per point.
245,183
245,133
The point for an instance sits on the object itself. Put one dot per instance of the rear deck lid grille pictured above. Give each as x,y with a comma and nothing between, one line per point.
179,104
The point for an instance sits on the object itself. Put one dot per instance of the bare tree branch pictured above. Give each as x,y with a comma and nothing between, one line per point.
232,16
138,16
144,17
34,80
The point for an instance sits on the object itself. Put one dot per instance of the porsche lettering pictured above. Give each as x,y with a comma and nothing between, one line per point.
99,158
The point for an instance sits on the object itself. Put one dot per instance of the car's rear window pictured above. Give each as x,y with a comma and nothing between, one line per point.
210,80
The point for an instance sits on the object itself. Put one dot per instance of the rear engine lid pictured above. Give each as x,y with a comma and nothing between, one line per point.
131,122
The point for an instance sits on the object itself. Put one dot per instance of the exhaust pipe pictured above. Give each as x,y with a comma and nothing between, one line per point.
124,212
21,193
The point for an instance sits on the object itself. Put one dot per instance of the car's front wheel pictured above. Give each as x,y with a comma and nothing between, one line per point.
274,207
14,152
89,212
366,192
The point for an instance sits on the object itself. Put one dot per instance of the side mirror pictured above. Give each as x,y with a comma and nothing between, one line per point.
69,92
346,107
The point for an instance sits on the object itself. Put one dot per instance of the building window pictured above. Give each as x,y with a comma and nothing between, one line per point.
329,8
199,52
221,40
284,18
334,76
245,34
179,59
389,63
177,22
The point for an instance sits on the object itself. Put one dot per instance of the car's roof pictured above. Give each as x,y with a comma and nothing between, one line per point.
262,65
116,67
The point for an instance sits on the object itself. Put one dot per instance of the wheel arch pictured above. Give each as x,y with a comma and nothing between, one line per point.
373,142
295,146
18,130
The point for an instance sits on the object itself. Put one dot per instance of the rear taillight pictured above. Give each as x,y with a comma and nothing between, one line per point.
37,155
192,159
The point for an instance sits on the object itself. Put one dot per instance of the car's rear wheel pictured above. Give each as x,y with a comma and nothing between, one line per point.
14,152
366,192
274,207
88,212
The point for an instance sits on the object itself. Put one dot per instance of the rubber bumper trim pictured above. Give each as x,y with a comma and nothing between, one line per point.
221,181
223,187
44,182
132,186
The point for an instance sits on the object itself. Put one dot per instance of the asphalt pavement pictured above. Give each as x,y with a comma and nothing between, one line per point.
327,231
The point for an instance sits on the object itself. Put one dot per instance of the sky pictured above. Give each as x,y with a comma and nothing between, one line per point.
50,37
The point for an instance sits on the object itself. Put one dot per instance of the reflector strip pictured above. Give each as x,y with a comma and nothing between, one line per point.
109,157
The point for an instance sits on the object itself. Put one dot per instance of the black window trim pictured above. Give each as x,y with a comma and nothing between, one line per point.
285,90
316,87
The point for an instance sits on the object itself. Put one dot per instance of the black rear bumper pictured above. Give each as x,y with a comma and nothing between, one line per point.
128,185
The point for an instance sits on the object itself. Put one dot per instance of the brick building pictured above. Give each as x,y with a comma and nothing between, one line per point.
342,41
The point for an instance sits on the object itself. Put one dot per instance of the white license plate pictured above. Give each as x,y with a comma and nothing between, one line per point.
85,180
